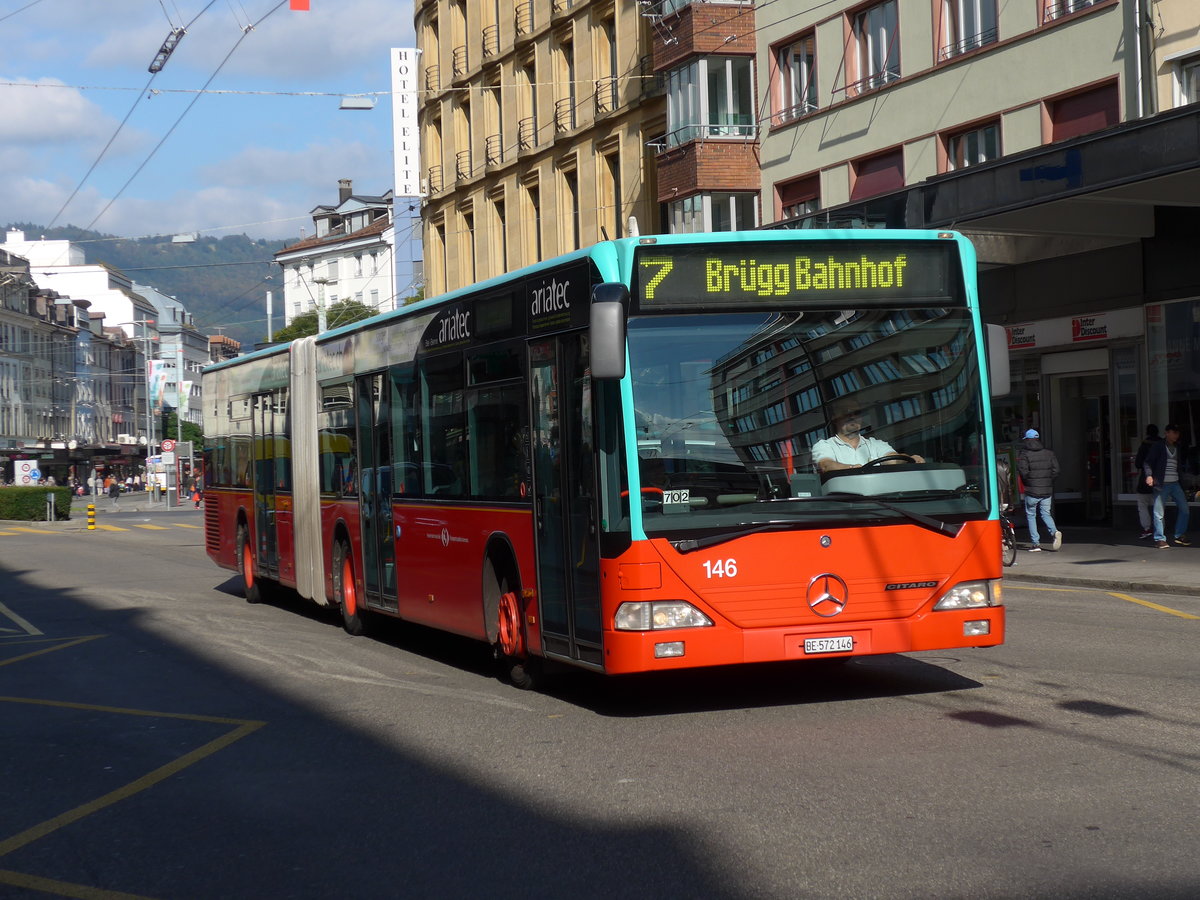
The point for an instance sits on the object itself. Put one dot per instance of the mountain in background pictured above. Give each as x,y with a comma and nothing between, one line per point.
221,281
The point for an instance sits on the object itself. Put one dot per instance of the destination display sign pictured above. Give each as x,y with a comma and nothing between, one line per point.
862,272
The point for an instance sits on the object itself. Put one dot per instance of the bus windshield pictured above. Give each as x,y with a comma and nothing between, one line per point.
730,407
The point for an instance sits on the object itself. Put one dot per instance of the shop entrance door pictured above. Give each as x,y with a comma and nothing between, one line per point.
1083,443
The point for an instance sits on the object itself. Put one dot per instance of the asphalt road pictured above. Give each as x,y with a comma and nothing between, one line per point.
160,737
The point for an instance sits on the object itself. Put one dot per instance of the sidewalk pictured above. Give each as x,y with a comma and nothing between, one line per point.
1109,560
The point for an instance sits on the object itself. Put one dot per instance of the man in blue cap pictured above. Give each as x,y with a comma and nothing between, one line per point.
1038,466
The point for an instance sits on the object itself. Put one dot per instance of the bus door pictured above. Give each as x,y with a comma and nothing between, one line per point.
264,484
564,497
373,415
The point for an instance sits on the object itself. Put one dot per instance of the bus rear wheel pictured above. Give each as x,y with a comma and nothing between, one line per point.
344,589
245,551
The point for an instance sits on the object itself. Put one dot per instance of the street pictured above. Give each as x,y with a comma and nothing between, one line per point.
163,738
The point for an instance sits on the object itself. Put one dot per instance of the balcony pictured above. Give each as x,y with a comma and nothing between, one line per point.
651,81
433,78
967,44
524,17
527,133
561,6
491,40
493,150
606,96
433,180
564,114
462,165
459,56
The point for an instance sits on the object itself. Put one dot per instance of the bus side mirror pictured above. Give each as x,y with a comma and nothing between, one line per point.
607,330
997,356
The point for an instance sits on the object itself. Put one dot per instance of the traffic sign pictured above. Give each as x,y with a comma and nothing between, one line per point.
35,474
167,445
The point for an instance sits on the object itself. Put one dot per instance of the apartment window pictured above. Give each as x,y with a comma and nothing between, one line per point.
610,194
569,207
1187,81
967,25
797,78
710,97
970,148
1085,112
877,174
331,270
1056,9
532,224
467,249
722,211
436,260
876,35
800,197
500,241
358,269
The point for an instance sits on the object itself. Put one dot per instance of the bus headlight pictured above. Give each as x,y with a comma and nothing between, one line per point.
971,595
654,615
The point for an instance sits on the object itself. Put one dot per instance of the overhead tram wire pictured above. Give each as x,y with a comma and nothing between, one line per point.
142,94
22,9
187,108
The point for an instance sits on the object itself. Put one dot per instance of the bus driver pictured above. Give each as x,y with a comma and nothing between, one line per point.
849,448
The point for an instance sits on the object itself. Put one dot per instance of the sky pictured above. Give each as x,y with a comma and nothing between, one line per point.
254,153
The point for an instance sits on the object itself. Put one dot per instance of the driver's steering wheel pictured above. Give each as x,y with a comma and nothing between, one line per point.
883,460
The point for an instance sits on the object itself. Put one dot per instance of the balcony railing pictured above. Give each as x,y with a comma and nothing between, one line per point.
462,165
434,179
493,149
974,42
459,56
491,40
606,95
871,82
795,112
1062,8
561,6
524,17
652,82
527,133
433,78
564,114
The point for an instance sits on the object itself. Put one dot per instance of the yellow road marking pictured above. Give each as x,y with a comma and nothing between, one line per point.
242,728
8,533
111,528
1166,609
62,888
13,617
1146,603
60,646
153,527
185,525
33,530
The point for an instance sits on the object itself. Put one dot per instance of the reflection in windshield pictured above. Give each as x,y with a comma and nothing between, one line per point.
728,408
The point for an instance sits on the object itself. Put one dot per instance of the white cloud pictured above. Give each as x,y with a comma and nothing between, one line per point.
46,112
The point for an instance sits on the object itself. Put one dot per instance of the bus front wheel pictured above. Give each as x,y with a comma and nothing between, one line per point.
345,590
246,566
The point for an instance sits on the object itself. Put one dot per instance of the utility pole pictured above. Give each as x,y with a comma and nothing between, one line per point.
321,323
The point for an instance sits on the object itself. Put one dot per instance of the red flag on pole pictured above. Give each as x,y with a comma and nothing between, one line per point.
300,4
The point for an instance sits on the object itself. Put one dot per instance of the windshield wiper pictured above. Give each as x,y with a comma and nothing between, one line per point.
915,517
713,539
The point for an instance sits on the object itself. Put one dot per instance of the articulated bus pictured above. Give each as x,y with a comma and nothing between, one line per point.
607,459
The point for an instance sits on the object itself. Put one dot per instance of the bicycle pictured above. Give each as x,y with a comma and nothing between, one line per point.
1008,540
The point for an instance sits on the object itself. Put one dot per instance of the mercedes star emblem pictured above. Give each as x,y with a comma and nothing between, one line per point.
827,595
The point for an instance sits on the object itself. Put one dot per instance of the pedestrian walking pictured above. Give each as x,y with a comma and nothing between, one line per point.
114,494
1038,467
1145,493
1165,463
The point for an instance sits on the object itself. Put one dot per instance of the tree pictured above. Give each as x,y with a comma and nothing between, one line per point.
341,313
415,298
191,431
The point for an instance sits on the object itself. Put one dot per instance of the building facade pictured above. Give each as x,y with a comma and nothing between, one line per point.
534,121
350,256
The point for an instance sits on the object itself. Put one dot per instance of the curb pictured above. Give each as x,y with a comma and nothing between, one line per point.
1107,584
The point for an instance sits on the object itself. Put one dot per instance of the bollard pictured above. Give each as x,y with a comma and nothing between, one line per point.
91,517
